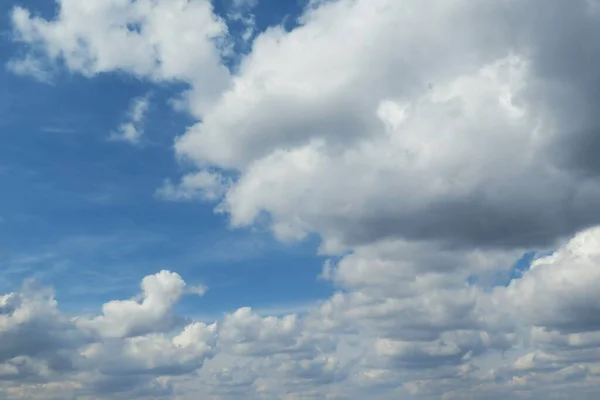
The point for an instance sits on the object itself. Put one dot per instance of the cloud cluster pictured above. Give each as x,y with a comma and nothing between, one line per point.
432,336
133,349
428,143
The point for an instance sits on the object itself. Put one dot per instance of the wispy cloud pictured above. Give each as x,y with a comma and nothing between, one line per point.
30,66
244,4
58,129
241,12
203,185
132,129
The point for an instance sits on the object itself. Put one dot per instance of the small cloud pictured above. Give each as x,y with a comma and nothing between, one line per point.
203,185
240,12
244,4
198,290
30,66
58,129
132,130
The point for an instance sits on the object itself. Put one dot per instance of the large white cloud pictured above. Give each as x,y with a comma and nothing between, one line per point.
444,126
434,140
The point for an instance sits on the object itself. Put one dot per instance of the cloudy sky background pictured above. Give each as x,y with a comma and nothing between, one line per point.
318,199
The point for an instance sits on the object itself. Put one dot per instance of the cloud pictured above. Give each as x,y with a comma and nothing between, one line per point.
154,354
143,38
136,352
30,66
559,291
133,129
237,4
31,326
198,290
246,333
240,11
204,185
468,135
42,345
431,334
126,318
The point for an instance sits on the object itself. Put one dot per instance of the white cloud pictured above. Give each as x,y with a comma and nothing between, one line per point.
432,334
30,66
160,40
125,318
136,353
405,103
133,129
153,353
204,185
246,333
240,11
560,292
244,4
198,290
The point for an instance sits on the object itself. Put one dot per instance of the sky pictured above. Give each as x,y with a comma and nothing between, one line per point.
299,199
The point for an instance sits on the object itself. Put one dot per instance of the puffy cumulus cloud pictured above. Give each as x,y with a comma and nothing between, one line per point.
405,268
560,292
422,333
165,40
323,369
418,292
429,143
153,355
124,318
556,298
438,172
422,325
442,122
234,380
430,338
44,352
35,337
246,333
134,350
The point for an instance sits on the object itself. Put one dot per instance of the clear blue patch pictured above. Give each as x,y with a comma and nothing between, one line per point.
522,265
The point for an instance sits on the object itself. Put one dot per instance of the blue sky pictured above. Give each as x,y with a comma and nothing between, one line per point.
79,211
385,199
